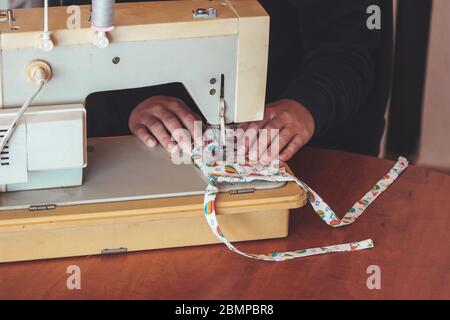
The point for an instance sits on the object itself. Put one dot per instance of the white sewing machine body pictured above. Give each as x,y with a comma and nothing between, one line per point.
146,48
46,150
218,59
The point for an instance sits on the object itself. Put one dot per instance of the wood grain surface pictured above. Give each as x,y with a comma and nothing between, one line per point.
410,225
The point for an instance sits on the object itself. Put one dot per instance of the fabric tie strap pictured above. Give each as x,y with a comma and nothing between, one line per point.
218,172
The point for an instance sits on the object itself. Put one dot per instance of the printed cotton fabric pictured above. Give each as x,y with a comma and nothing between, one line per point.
220,171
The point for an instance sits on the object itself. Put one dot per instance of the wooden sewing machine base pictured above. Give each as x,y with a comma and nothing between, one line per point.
154,223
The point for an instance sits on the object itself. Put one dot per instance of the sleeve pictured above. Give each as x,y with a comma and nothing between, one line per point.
336,68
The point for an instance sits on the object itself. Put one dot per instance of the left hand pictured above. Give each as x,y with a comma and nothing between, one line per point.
295,124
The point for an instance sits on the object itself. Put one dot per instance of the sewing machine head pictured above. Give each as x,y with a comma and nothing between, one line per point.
219,53
152,43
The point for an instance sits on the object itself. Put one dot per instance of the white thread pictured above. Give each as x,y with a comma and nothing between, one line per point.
102,15
45,42
15,122
46,16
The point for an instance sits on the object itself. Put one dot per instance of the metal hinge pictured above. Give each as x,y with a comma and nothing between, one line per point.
203,13
7,16
242,191
114,251
42,207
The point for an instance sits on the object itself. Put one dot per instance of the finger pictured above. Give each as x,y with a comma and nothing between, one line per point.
172,124
296,143
246,144
251,136
250,128
186,116
243,125
142,133
159,131
271,134
189,121
278,142
169,120
183,139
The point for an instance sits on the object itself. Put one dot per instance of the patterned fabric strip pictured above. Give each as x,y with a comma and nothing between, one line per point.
218,172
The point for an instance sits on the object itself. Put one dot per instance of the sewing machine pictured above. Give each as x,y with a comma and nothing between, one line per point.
70,195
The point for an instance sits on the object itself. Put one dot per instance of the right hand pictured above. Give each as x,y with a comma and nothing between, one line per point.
155,119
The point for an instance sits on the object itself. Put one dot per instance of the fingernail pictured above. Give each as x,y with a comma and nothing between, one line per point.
151,143
175,149
171,146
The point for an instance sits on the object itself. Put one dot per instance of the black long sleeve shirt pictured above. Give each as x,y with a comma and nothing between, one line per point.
321,54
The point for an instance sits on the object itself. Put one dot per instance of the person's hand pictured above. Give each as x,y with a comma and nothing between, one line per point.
295,124
157,118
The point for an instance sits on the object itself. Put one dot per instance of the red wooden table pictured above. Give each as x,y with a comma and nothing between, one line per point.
410,225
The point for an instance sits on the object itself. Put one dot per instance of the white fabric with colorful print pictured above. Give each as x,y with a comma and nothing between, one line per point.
220,171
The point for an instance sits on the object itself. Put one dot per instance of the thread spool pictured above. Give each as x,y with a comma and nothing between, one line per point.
103,15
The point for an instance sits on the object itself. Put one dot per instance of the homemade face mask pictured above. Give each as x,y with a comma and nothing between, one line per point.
221,171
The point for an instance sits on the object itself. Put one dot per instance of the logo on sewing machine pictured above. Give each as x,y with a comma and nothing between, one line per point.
235,145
